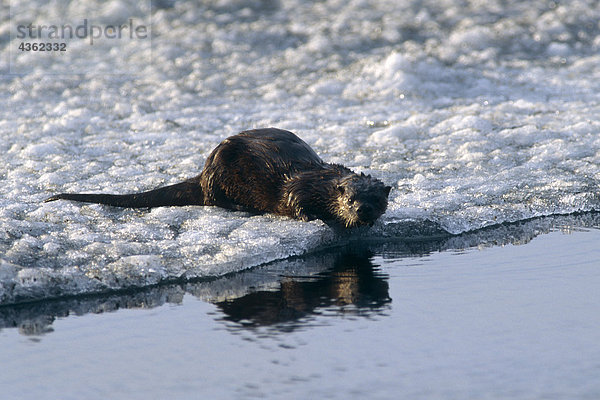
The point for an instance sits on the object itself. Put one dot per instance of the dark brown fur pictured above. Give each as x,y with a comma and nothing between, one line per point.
267,170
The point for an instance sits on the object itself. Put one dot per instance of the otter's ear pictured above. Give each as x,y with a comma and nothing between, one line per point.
387,190
340,189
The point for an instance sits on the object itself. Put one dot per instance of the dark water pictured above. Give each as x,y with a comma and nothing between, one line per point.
508,312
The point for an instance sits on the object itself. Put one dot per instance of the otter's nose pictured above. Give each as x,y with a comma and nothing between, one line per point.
364,211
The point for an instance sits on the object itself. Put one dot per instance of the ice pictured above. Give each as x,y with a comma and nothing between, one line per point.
476,113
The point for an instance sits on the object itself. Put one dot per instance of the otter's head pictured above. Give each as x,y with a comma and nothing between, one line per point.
360,200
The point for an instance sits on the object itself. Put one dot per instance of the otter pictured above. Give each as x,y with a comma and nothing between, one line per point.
266,171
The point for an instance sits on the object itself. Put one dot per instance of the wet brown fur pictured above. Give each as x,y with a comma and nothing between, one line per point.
267,170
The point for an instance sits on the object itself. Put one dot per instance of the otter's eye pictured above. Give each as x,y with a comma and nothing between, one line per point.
351,199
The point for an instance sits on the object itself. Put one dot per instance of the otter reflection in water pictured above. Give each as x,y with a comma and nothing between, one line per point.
352,281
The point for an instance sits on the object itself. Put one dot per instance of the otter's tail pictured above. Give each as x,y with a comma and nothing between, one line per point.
185,193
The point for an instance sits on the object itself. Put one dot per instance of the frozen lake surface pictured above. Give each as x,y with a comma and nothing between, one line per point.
476,113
